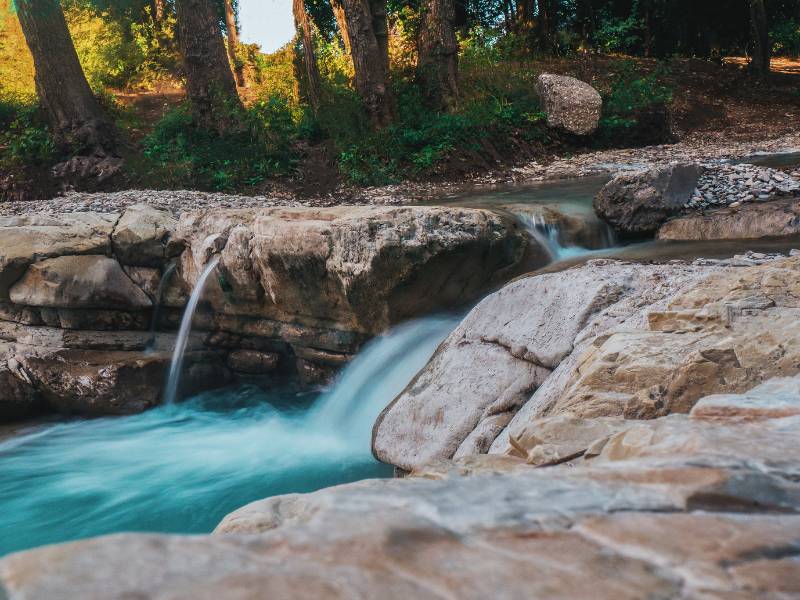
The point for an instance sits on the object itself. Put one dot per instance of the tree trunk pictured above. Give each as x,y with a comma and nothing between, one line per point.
309,58
158,10
369,49
233,42
759,65
76,117
210,87
341,22
545,16
437,47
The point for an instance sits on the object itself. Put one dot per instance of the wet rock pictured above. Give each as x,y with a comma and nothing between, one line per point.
570,104
748,221
79,282
89,382
253,362
637,204
28,238
142,237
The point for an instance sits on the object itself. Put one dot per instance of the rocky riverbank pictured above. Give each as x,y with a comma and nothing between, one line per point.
627,409
295,294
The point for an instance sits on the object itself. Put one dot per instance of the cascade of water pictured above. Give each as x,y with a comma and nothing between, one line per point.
175,368
162,284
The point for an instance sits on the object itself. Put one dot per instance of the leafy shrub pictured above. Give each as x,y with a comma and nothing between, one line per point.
636,108
785,38
259,148
24,135
619,35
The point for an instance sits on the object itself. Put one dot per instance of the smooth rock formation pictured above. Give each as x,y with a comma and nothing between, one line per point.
570,103
749,221
79,282
677,507
638,203
506,348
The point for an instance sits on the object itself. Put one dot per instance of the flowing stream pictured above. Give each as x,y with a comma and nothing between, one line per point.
182,467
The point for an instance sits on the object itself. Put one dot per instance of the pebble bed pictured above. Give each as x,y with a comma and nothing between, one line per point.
728,184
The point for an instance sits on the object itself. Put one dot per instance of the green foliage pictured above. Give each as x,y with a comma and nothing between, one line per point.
635,109
785,38
421,141
24,136
619,35
157,57
261,147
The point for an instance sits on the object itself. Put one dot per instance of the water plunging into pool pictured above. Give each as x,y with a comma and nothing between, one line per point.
176,366
182,467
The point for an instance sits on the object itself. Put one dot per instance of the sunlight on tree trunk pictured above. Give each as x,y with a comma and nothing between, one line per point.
76,117
341,23
309,59
210,86
233,41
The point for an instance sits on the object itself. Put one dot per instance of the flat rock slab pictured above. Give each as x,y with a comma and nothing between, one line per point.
749,221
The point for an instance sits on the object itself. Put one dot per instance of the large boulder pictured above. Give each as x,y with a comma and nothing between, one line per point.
749,221
506,348
570,103
26,239
356,268
79,282
639,203
143,236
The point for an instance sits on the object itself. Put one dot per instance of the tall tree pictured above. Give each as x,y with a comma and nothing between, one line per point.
437,49
367,29
233,41
76,117
759,31
209,81
303,26
341,22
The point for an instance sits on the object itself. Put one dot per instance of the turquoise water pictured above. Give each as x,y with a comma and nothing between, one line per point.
182,467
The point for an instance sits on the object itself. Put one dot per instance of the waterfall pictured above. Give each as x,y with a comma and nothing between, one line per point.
175,368
548,236
162,284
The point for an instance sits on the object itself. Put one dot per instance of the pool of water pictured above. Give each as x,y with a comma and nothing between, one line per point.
182,467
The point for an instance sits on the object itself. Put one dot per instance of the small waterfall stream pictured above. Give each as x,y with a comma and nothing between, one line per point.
166,276
181,467
175,368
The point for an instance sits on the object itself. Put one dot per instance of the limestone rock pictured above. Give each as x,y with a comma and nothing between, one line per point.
570,104
18,398
79,282
750,221
26,239
142,237
504,349
720,336
638,203
354,268
777,398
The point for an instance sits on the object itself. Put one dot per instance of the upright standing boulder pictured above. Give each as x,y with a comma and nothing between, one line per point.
639,203
570,103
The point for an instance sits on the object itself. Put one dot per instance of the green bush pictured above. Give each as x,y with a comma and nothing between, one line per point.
619,35
260,147
785,38
24,136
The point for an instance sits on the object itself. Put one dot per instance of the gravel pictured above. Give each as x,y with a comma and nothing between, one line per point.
734,184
